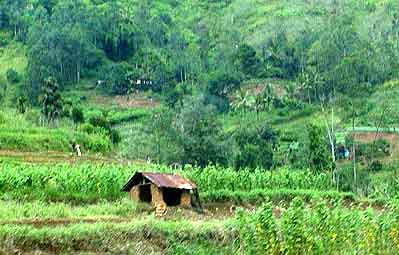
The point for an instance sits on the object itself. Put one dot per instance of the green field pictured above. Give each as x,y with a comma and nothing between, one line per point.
80,208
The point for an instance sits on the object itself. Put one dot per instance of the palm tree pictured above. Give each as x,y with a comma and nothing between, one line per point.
266,98
240,101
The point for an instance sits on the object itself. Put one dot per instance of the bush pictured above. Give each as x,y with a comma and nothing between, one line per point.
382,146
4,41
367,151
21,104
12,76
375,166
119,77
2,119
200,134
255,147
115,136
319,156
77,115
100,121
87,128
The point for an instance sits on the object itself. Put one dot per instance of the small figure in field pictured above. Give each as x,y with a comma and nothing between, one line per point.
78,152
76,148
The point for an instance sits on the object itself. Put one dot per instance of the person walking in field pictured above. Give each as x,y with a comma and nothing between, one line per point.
78,152
76,149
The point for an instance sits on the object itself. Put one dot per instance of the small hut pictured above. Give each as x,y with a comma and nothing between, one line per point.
162,190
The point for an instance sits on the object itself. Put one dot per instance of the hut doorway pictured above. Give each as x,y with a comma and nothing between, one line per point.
145,193
171,196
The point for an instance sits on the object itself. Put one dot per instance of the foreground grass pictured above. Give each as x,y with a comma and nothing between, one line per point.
319,229
300,228
12,210
149,236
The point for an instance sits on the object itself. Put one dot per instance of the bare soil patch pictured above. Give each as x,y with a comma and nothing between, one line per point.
130,102
368,137
51,222
57,157
133,101
392,138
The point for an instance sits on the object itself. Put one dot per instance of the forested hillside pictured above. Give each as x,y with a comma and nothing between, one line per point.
256,73
213,45
222,82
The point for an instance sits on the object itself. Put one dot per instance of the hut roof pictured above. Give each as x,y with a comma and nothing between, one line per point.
160,180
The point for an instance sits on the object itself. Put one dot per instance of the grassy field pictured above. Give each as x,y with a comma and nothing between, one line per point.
23,133
79,208
296,228
12,57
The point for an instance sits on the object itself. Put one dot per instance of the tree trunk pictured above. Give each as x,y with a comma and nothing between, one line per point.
330,132
354,147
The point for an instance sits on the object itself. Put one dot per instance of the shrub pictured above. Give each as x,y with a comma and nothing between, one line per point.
100,121
319,156
4,41
12,76
382,146
77,115
87,128
255,147
21,104
2,119
375,166
115,136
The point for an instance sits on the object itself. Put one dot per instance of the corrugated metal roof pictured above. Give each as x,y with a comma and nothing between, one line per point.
160,180
169,181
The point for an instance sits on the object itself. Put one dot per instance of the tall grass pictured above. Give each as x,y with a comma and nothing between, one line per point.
90,182
319,229
301,228
145,236
13,210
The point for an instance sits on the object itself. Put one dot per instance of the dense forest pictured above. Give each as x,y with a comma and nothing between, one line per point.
196,57
327,46
325,59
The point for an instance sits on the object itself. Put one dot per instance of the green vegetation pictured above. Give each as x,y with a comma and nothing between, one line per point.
13,211
178,237
317,229
297,229
289,103
86,182
19,133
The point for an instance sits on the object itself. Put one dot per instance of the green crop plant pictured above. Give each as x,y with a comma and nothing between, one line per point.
90,183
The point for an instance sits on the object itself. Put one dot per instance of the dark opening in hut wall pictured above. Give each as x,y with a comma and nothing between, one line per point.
145,193
171,196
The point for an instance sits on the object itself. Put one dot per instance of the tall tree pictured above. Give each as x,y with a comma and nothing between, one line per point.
52,101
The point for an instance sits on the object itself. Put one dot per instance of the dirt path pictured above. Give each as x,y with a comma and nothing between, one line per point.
133,101
52,222
58,157
211,211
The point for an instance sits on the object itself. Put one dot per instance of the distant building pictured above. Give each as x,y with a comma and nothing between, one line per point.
143,82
